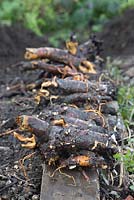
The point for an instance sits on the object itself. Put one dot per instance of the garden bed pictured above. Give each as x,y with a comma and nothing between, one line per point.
14,40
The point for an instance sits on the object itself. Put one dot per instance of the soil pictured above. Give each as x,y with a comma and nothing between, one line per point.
13,184
118,38
117,35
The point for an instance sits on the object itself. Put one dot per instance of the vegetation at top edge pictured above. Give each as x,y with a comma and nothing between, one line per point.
59,18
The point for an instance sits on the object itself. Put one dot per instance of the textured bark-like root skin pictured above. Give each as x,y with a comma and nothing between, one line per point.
57,142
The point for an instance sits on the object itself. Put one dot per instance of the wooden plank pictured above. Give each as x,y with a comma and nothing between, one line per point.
61,187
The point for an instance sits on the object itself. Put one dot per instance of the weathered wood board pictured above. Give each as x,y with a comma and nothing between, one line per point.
61,187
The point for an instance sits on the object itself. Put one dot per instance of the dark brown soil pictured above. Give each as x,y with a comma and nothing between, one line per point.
118,36
14,40
13,184
118,39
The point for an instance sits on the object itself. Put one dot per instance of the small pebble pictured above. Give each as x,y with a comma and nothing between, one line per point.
12,198
13,189
7,168
35,197
8,182
16,167
30,193
20,182
21,198
5,197
2,184
26,195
